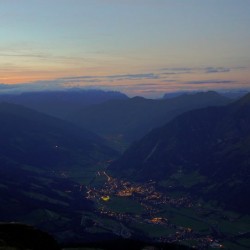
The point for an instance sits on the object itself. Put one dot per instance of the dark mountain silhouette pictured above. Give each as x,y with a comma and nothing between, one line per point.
37,155
131,119
61,103
18,236
15,236
213,142
232,94
177,93
30,137
124,244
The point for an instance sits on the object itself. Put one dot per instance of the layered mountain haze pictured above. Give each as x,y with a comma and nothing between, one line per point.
130,119
61,103
211,144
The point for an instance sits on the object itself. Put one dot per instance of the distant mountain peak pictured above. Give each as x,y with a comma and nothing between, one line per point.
138,98
62,103
209,93
190,93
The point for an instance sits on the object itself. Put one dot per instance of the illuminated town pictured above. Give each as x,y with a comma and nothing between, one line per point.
152,202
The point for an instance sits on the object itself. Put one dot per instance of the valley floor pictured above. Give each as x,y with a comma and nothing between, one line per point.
139,210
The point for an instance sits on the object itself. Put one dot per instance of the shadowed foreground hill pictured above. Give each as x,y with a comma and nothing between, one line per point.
30,137
18,236
213,144
130,119
15,236
37,153
123,244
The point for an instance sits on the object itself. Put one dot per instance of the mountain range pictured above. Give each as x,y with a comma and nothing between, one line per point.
197,144
38,153
132,118
212,145
61,103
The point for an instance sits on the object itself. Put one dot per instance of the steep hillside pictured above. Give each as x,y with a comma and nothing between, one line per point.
213,144
38,153
30,137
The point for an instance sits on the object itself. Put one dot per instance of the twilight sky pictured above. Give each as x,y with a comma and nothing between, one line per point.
140,47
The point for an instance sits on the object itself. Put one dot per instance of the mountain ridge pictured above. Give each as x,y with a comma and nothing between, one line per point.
38,138
61,103
132,118
214,141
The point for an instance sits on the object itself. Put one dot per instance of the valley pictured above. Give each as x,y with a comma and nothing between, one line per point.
124,125
185,183
140,210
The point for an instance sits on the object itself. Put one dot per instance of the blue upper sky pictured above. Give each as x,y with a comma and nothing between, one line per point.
144,47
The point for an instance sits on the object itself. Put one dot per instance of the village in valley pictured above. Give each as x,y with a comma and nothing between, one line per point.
142,207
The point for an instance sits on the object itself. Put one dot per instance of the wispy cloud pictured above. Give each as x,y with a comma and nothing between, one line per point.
4,86
24,55
134,76
144,76
216,70
210,82
40,55
158,81
76,77
187,70
176,71
179,69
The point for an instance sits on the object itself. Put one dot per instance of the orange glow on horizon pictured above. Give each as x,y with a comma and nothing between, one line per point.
150,84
